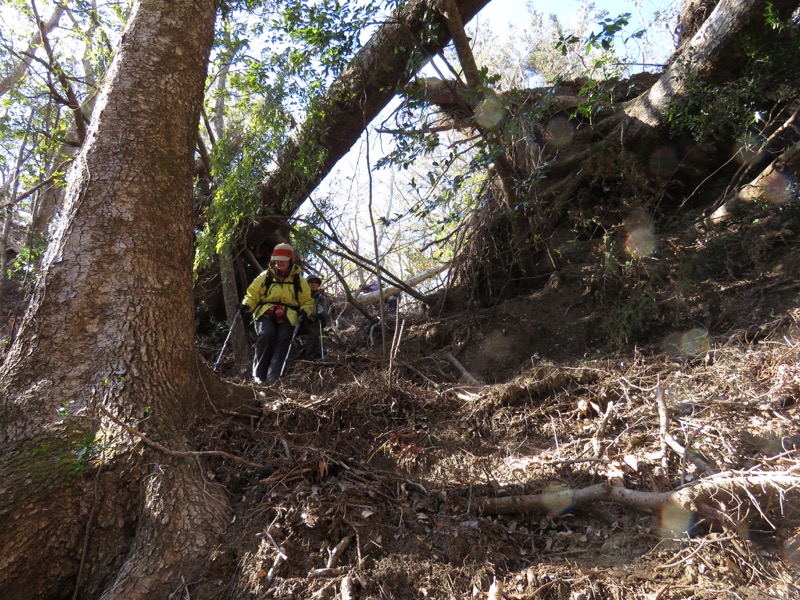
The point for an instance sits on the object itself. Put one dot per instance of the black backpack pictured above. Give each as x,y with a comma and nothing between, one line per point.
269,280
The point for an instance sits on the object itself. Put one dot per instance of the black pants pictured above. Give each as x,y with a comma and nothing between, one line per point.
312,342
272,345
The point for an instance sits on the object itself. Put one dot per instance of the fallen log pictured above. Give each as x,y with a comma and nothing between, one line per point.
388,291
717,497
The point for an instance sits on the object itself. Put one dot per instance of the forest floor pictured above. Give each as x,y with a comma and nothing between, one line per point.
385,478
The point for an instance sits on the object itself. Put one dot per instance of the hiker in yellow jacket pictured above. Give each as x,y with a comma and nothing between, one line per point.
277,299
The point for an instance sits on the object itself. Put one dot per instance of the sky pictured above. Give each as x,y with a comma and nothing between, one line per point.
503,14
516,11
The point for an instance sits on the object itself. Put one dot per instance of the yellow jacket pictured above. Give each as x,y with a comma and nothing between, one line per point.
293,293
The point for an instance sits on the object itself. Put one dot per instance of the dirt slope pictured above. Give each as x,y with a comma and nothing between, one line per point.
377,473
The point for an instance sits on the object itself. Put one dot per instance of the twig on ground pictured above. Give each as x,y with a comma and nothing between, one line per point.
556,502
663,426
326,572
597,441
346,591
338,551
471,380
686,454
280,558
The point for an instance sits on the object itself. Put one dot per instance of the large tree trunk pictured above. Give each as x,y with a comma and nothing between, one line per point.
111,325
389,60
713,54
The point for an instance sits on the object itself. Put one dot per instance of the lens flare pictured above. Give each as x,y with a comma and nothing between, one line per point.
641,241
695,342
777,188
676,521
747,150
560,131
557,498
663,161
489,112
692,343
791,549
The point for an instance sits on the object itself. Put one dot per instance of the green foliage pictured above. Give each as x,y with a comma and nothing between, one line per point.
26,261
327,30
560,54
710,111
601,65
86,450
307,45
68,455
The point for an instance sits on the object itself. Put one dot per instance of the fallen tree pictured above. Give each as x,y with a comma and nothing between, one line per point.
367,298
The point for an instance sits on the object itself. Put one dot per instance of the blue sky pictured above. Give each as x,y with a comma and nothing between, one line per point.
516,11
501,14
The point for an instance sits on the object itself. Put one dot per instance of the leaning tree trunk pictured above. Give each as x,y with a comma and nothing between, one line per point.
111,325
389,60
713,54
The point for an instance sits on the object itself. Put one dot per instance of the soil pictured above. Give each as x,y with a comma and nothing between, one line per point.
378,465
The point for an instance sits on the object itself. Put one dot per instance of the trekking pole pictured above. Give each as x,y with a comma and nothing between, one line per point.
321,346
225,343
291,343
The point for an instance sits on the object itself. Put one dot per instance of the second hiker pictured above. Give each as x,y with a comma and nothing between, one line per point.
312,328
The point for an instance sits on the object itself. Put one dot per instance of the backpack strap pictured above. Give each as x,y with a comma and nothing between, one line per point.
297,287
269,280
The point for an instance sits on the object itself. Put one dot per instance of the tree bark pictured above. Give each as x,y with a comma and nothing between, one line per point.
111,324
771,185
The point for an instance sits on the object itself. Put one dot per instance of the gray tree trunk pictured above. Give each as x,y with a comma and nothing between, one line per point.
712,55
111,325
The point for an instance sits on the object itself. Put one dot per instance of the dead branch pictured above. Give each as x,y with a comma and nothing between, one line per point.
347,591
338,551
19,70
667,440
597,441
470,379
72,101
769,185
391,290
696,497
663,426
326,572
